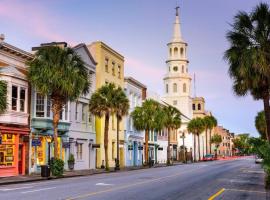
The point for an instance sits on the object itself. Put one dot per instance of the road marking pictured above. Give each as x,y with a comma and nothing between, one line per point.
127,186
30,191
103,184
254,191
11,189
217,194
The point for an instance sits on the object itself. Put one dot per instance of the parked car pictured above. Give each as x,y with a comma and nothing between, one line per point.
208,157
258,159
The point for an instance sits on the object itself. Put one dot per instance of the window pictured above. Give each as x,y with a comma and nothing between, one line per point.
174,102
174,87
106,64
113,127
65,111
90,118
48,107
193,107
22,99
113,69
183,69
113,149
76,111
84,112
175,51
199,106
167,88
181,51
40,105
79,151
14,97
170,51
175,68
184,88
119,71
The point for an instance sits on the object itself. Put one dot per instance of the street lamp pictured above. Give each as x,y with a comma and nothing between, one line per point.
184,149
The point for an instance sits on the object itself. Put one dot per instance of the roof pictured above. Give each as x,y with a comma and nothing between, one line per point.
49,44
12,71
134,81
14,50
82,45
105,46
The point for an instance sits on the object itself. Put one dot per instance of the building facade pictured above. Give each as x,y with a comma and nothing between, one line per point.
14,123
109,69
134,139
226,146
177,81
82,135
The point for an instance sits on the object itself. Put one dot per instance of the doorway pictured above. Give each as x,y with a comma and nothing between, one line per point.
20,159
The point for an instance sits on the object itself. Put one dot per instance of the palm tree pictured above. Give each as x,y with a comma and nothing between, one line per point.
3,96
102,104
216,139
212,122
61,74
172,122
248,56
121,107
196,126
145,118
260,124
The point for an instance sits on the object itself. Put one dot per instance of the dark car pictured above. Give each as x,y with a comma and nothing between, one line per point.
208,157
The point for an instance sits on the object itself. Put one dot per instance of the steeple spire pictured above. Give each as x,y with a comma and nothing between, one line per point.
177,36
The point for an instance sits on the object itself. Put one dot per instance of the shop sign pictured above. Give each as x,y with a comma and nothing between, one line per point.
66,145
36,142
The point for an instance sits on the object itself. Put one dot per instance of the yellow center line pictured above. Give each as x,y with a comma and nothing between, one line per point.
217,194
127,186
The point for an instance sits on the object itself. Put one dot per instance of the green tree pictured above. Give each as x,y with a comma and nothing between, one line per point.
249,55
211,123
172,122
3,96
61,74
216,139
196,126
241,142
260,124
146,118
121,108
101,105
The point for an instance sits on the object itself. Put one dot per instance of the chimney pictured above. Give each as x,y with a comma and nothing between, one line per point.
2,37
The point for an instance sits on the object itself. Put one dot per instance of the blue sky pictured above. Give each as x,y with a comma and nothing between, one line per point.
140,30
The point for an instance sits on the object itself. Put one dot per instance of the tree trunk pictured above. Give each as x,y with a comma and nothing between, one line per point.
117,167
267,115
206,142
169,147
210,136
106,139
146,156
199,148
194,148
56,109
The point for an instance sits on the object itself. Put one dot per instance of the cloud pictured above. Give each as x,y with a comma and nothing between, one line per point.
31,18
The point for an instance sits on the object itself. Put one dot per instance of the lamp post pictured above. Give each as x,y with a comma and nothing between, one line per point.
184,149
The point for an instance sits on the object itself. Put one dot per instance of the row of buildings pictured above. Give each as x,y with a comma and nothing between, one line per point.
26,127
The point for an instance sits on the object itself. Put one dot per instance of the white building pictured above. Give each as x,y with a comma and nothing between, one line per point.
82,136
136,93
177,81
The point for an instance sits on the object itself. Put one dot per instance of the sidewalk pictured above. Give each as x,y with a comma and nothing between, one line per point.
69,174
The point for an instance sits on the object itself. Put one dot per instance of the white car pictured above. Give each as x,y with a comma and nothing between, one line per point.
258,160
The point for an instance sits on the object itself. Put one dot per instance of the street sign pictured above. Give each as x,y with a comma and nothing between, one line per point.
36,142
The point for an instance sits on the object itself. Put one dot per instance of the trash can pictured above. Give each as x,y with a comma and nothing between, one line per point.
45,171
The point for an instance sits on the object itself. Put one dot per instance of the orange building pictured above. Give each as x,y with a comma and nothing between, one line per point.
225,148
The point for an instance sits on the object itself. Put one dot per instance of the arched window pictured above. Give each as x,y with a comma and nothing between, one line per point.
175,51
170,51
167,88
184,88
174,87
183,69
199,106
182,52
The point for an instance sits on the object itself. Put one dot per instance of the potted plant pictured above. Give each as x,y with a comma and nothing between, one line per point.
71,161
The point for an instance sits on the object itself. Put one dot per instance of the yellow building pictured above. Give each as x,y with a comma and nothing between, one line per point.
109,69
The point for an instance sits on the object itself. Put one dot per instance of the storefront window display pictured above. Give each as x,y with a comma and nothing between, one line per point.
7,149
38,151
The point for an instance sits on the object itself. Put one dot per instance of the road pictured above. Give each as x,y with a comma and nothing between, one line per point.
234,180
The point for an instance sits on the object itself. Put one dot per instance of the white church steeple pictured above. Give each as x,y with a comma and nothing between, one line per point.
177,35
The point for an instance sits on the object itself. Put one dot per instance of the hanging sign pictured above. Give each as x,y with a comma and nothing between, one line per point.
36,142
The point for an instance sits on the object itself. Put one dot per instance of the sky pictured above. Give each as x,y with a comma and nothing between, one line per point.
140,30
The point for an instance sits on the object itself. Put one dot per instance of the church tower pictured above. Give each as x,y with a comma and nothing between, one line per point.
177,81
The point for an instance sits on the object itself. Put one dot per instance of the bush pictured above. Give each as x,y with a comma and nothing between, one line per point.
57,167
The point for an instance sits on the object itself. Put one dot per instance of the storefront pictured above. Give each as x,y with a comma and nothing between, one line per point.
13,150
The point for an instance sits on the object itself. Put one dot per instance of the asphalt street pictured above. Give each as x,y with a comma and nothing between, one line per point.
232,179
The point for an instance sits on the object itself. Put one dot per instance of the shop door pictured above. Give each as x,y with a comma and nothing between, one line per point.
135,153
20,160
